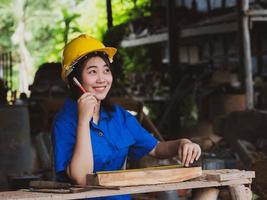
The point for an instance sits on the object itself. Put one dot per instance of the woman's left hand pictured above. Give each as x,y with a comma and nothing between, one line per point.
188,152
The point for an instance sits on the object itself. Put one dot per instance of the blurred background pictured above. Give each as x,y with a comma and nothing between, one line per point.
188,68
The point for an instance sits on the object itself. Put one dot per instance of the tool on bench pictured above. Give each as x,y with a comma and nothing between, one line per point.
60,187
151,168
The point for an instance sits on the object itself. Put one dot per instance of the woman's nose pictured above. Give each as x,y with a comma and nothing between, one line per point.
100,77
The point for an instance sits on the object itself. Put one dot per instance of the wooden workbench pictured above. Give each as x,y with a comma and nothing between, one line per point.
234,179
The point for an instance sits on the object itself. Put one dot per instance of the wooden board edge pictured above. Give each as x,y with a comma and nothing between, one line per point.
230,176
91,179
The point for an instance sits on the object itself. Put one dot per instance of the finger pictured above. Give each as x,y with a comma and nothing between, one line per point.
83,96
95,99
194,155
199,153
188,157
180,151
92,93
94,96
89,97
184,153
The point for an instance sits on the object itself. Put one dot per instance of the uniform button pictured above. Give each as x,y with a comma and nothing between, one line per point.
100,133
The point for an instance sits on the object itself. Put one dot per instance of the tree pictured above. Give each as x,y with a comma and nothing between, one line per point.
20,13
20,37
31,26
39,29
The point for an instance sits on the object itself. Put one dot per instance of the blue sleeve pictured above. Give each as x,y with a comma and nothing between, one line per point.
63,136
144,141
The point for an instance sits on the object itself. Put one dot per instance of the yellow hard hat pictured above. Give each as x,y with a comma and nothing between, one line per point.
79,47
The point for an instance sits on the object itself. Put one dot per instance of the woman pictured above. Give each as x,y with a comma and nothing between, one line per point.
92,135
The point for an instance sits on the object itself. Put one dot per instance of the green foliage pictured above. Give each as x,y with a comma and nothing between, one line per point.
124,10
135,59
6,25
188,110
50,24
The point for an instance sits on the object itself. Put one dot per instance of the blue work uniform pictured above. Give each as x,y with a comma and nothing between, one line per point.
116,136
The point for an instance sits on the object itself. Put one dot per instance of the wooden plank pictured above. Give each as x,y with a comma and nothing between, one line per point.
246,151
258,19
185,32
219,19
162,37
227,174
211,29
144,176
258,12
22,195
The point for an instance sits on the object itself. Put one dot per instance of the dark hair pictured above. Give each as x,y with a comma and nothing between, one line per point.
75,93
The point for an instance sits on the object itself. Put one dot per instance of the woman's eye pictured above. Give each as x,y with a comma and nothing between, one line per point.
107,70
92,72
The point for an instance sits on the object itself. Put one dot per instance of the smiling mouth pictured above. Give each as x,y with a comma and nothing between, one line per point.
99,88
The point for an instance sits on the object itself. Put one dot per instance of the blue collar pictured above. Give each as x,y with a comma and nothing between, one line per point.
103,114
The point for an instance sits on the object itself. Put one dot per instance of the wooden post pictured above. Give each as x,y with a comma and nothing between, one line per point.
174,70
172,42
245,53
208,5
109,14
205,194
240,192
223,3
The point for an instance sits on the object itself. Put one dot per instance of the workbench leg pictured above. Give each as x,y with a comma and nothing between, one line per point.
240,192
205,194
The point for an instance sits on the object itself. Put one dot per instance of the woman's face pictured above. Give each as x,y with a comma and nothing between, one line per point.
97,77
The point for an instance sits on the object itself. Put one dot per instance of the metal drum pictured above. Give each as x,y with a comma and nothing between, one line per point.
15,142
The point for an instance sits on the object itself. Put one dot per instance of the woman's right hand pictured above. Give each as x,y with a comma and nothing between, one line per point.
86,106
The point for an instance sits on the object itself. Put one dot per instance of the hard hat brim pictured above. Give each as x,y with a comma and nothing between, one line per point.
111,51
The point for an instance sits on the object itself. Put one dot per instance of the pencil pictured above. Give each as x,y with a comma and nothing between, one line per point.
79,85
